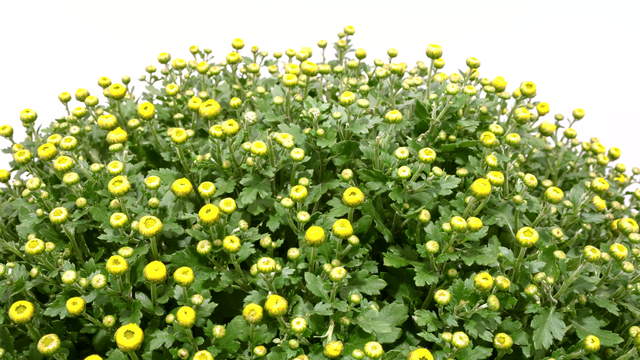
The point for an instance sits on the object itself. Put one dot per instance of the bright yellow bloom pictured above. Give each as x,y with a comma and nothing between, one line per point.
314,235
149,226
63,163
34,246
182,187
119,185
117,265
276,305
184,276
203,355
21,311
58,215
231,243
118,220
527,236
146,110
333,349
48,344
252,313
481,188
353,196
186,316
75,305
206,189
373,349
483,281
420,354
209,214
155,271
129,337
47,151
209,109
298,193
227,205
342,228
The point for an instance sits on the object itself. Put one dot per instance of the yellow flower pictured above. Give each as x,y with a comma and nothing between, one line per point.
186,316
481,188
58,215
182,187
209,214
258,148
129,337
146,110
289,80
93,357
152,182
230,127
299,325
183,276
115,167
107,121
353,196
21,311
298,193
427,155
527,236
619,251
116,91
434,51
5,175
333,349
117,136
47,151
591,253
314,235
117,265
48,344
420,354
178,135
342,228
554,194
6,131
227,205
22,156
347,98
483,281
502,341
119,185
276,305
34,246
206,189
393,116
231,243
28,116
75,305
591,343
149,226
209,109
252,313
118,220
495,178
373,349
63,163
528,88
203,355
155,271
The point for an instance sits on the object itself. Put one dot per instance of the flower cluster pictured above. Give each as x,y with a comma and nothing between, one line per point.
311,204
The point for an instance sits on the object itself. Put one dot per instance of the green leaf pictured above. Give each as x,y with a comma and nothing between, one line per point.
160,338
607,304
592,326
365,283
384,323
547,326
315,285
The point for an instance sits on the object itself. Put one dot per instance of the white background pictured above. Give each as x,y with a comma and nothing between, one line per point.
580,53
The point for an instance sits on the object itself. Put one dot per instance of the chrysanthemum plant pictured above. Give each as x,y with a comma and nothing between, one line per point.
296,206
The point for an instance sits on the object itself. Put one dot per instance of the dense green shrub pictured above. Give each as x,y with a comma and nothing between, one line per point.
257,205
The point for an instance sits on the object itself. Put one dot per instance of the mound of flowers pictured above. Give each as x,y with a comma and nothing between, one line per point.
313,204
